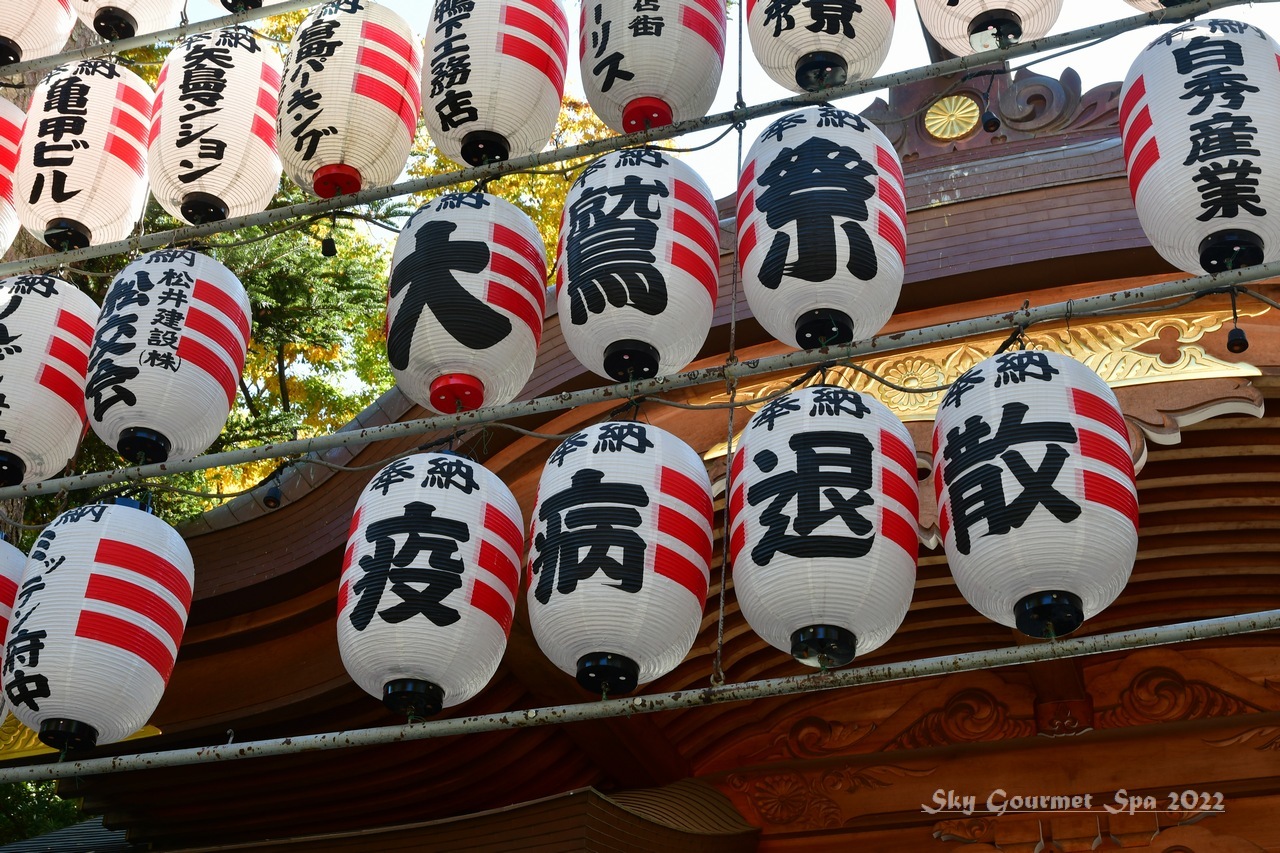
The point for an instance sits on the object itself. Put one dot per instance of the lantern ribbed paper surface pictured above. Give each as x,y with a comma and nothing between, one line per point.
494,77
11,119
812,45
82,166
168,352
429,582
1148,5
12,562
825,512
46,328
1201,133
972,26
652,67
620,554
638,265
122,19
96,625
822,228
1035,486
32,29
349,101
466,302
212,153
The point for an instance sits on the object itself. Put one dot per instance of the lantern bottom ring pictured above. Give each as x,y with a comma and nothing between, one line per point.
630,359
995,29
827,646
337,179
237,6
456,392
820,70
646,114
114,24
412,697
66,234
68,734
607,673
481,147
1230,250
9,51
1050,614
199,208
823,327
12,469
143,446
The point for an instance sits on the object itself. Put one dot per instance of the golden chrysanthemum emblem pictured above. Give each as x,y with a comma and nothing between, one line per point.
908,374
952,117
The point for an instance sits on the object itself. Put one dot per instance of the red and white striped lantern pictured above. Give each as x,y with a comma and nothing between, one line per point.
1035,485
82,164
96,625
212,151
638,265
647,65
32,29
349,102
167,355
11,119
807,47
429,582
12,562
494,77
824,518
973,26
822,228
620,557
1201,133
46,327
124,19
466,302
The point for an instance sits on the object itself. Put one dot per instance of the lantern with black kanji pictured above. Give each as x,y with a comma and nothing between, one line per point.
1201,136
646,65
494,77
973,26
429,582
466,302
167,355
822,228
11,119
810,46
212,153
349,101
123,19
96,625
824,517
1035,486
12,562
34,28
638,268
46,328
620,555
82,164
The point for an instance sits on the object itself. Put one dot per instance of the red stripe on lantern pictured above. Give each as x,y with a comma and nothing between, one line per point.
135,99
265,130
390,97
270,77
888,161
1101,489
511,268
675,566
124,555
489,601
1147,157
898,489
507,298
134,639
900,531
137,599
746,243
508,531
1106,450
1140,126
695,264
533,55
944,520
344,595
672,482
747,177
518,243
889,229
494,561
191,350
215,297
705,29
897,450
893,198
674,523
69,354
217,331
122,149
737,539
698,231
1098,409
537,26
63,386
1131,98
687,193
393,41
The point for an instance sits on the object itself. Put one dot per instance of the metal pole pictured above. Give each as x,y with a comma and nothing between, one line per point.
1226,626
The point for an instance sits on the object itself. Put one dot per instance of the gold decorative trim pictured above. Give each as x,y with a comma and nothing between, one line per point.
18,741
952,117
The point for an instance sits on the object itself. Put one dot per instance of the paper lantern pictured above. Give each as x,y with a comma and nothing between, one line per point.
82,164
809,46
1035,485
466,302
1155,5
647,65
821,228
1201,134
11,119
973,26
638,268
12,562
429,582
349,101
495,77
167,356
212,153
123,19
823,535
46,327
620,555
232,6
96,625
32,29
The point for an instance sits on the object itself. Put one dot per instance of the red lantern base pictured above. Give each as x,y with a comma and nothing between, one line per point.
457,392
645,114
337,179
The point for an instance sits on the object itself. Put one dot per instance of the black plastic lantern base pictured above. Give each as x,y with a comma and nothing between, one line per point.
12,469
821,70
114,24
1046,615
411,697
241,5
68,734
823,327
1230,250
626,360
827,646
66,234
996,28
143,446
484,146
9,51
199,208
608,674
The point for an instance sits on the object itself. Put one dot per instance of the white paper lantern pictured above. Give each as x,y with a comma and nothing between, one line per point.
824,517
1035,486
620,555
638,267
806,47
349,102
1154,5
82,165
822,228
647,65
973,26
1201,133
32,29
466,302
494,77
212,152
12,562
46,328
11,119
96,625
429,582
167,355
123,19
